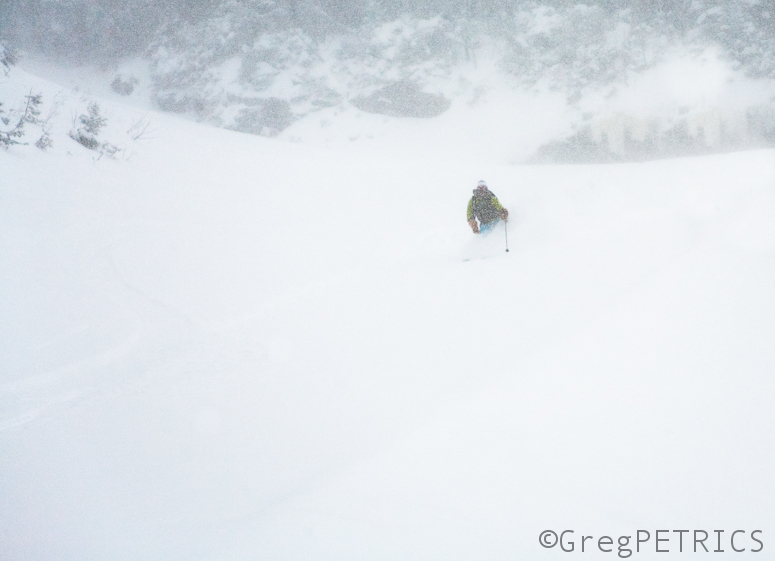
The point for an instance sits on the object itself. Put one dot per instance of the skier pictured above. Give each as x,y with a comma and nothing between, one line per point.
485,207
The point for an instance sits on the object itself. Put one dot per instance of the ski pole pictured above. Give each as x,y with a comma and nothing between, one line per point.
506,227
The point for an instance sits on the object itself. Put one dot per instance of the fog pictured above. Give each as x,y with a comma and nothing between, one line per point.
262,66
244,316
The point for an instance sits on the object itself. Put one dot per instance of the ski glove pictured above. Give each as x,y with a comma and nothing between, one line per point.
505,215
474,226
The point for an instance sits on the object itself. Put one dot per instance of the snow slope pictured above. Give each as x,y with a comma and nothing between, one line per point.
220,346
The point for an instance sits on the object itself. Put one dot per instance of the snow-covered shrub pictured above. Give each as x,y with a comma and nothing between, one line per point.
91,124
402,99
267,117
29,114
122,86
7,58
45,141
8,137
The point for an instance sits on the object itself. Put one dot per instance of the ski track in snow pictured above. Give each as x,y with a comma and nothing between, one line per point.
228,347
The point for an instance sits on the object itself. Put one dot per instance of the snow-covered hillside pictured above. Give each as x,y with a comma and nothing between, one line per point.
220,346
564,82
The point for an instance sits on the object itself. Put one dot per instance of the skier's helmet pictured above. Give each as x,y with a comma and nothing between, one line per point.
481,187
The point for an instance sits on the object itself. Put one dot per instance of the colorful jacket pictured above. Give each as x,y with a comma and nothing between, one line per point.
484,206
